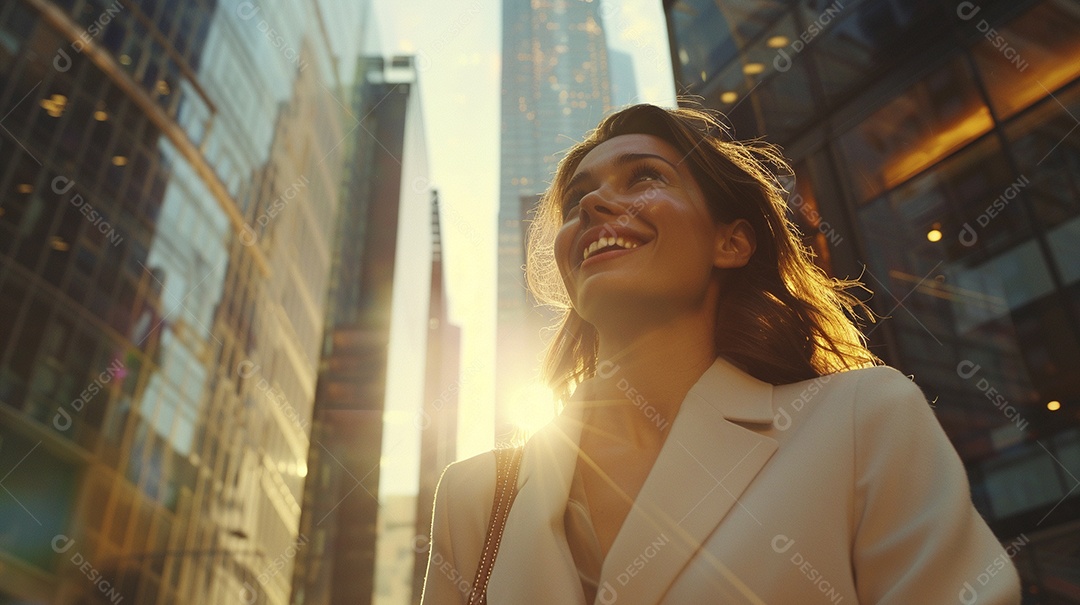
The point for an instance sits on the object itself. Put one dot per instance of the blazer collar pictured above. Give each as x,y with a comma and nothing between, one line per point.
705,464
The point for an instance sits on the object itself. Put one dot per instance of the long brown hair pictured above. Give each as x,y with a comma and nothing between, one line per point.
780,317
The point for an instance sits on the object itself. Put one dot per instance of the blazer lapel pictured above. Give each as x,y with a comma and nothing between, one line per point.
534,564
703,467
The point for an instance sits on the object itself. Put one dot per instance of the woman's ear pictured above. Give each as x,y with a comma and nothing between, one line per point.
735,244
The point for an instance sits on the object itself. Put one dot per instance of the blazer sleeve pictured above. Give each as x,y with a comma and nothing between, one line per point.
918,538
459,520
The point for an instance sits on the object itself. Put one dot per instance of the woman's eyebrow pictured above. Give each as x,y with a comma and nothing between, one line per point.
620,160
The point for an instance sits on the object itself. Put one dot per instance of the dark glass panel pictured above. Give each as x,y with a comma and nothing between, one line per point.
925,123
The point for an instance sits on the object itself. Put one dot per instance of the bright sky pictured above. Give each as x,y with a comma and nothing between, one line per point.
458,49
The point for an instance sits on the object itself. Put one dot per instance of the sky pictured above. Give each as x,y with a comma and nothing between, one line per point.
458,46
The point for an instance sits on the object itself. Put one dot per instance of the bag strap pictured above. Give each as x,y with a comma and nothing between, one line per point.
507,465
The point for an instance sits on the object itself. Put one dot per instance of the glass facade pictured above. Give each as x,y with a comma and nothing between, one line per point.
936,149
169,177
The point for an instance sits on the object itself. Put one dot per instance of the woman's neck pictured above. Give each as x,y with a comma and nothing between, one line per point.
643,375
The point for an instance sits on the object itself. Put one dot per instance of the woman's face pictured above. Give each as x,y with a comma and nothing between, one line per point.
636,229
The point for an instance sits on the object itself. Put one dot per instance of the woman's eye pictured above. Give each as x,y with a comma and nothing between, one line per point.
573,199
645,173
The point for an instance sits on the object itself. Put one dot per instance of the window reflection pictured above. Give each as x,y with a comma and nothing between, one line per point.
1031,56
928,121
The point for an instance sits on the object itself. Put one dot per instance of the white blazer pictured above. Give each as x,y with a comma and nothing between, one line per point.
840,489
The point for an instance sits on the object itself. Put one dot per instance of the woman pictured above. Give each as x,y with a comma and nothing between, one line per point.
725,437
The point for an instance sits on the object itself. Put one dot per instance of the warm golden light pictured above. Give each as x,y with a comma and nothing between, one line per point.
729,97
777,42
24,188
162,87
934,234
119,160
54,106
531,407
752,69
58,244
100,115
1054,406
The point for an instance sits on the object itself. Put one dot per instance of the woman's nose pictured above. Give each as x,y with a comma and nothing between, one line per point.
598,203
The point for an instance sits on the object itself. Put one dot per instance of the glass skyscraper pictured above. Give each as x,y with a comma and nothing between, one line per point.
169,178
555,88
936,150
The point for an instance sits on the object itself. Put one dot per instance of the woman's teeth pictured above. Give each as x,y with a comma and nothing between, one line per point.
604,242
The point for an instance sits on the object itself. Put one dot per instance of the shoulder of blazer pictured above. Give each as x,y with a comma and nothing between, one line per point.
468,488
863,387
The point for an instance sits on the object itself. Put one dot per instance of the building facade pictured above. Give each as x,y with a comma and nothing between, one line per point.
555,88
936,153
360,497
169,178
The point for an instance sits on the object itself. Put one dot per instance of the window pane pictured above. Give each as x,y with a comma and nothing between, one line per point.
930,120
1030,56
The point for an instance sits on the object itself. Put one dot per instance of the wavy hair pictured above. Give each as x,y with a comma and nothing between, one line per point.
780,316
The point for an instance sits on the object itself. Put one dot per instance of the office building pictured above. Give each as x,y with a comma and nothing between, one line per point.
359,501
936,151
169,178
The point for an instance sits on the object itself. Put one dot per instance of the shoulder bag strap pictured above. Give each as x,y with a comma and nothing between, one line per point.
507,464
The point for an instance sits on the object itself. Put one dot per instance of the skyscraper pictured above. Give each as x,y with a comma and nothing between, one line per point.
936,151
377,323
555,87
168,181
623,80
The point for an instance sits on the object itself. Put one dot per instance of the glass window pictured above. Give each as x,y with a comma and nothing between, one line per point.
1045,148
1031,56
862,45
710,33
925,123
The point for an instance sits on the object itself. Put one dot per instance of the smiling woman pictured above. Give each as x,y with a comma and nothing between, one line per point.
725,435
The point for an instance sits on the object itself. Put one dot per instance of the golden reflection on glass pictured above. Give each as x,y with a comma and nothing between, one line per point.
1031,56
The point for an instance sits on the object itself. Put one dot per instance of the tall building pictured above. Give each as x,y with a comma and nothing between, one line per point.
370,391
439,416
624,89
936,151
555,87
168,182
